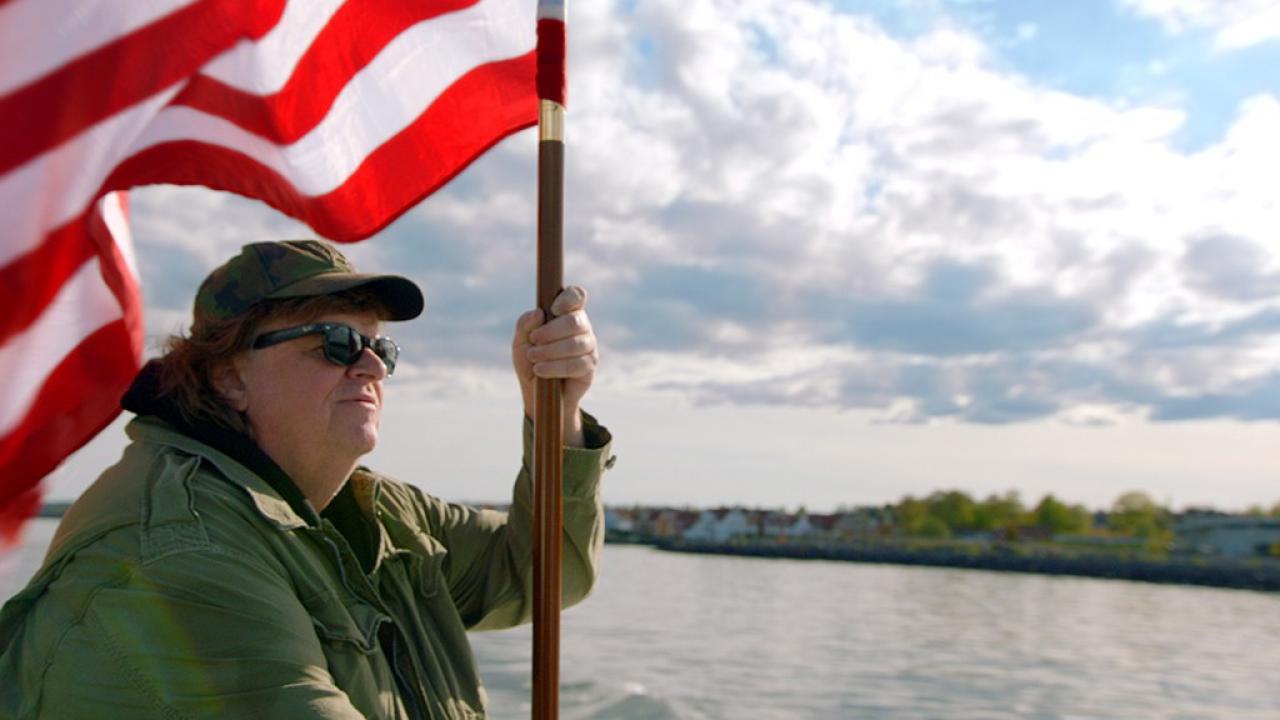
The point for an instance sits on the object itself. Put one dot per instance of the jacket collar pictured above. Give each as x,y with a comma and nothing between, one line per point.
264,496
273,492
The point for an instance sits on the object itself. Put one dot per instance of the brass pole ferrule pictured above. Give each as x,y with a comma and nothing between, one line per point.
550,121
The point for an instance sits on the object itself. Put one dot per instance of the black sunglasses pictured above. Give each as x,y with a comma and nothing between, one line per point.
342,345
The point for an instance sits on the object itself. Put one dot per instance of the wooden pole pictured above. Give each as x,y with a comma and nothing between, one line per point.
548,520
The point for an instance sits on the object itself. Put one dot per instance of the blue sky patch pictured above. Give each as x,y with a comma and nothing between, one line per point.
1103,50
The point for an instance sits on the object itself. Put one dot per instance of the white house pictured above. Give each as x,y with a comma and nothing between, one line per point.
719,525
807,525
802,527
617,520
772,523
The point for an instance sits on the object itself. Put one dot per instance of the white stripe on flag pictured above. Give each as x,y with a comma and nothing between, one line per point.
372,108
28,50
263,67
405,77
82,306
59,185
111,208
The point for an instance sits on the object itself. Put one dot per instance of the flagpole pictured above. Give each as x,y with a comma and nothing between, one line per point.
548,520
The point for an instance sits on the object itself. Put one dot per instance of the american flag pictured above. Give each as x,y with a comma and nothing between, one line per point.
341,114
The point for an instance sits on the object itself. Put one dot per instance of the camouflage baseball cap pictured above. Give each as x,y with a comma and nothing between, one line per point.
292,269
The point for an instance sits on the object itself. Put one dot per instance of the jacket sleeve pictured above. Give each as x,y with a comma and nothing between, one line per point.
194,635
489,563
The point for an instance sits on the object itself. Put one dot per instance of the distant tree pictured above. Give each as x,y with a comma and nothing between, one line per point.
933,527
954,509
1275,510
1058,517
998,512
911,515
1255,510
1135,513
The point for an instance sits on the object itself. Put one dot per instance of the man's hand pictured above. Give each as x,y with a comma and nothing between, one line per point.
563,348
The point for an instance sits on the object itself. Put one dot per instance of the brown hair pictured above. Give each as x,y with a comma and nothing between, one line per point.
186,368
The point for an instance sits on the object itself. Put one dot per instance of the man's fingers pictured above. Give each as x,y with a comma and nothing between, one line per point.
570,299
578,367
570,347
525,324
575,323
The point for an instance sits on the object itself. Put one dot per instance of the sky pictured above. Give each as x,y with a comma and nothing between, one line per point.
841,252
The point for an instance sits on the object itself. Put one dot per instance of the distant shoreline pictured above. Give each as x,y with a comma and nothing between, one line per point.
1260,574
1207,571
53,509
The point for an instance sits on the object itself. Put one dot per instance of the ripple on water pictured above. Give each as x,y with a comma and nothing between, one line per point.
631,703
717,637
703,637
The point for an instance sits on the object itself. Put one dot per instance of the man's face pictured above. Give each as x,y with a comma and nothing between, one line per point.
301,406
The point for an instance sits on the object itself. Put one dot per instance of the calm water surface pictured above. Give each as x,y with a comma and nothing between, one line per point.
687,636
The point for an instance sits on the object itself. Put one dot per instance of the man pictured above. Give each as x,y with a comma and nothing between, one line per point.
238,562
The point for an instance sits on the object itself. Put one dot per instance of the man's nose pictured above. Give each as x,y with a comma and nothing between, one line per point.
369,365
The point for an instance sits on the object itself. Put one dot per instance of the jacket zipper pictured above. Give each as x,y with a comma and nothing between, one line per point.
411,703
402,684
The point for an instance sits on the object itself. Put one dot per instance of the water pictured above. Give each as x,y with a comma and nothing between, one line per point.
688,636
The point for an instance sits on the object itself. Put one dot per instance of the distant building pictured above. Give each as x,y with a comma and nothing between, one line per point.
719,525
800,527
772,523
1228,535
673,523
807,525
863,522
619,520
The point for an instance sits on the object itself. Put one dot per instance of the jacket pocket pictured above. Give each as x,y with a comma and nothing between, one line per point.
422,559
352,627
348,634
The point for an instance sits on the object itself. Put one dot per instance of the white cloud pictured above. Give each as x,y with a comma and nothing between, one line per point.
747,176
749,181
852,161
1234,23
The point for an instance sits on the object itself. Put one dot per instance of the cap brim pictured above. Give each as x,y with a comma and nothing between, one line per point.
401,295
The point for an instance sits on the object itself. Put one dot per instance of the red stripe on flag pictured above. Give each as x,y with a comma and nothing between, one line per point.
111,78
551,60
81,394
353,37
80,397
30,282
476,112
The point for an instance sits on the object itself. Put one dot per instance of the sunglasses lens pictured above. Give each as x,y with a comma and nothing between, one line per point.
342,345
387,350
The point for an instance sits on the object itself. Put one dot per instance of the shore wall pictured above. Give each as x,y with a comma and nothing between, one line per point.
1258,574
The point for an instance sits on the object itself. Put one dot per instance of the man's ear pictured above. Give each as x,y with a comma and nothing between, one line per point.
229,383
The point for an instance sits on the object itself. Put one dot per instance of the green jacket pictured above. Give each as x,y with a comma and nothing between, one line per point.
181,585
